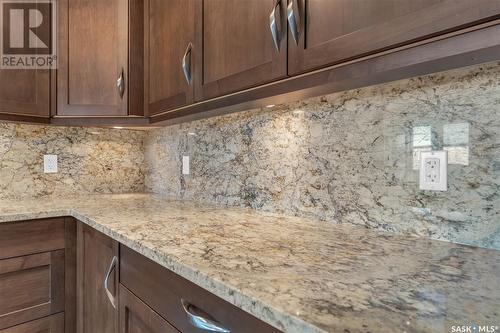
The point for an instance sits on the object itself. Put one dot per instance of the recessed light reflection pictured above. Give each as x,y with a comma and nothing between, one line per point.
270,105
298,112
191,133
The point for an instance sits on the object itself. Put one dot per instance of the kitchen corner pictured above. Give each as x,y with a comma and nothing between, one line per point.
262,166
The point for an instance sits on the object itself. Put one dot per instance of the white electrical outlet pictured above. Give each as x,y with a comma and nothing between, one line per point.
434,170
185,165
50,163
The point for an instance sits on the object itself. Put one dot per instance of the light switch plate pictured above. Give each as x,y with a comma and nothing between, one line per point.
50,163
185,165
434,170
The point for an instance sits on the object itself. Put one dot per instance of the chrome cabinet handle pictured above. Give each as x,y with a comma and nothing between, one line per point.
201,322
292,22
274,26
112,266
186,64
120,84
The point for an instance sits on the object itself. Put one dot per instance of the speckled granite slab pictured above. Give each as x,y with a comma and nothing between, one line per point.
351,156
296,274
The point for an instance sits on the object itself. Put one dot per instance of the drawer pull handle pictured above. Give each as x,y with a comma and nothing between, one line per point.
274,26
186,63
120,84
201,322
112,266
292,22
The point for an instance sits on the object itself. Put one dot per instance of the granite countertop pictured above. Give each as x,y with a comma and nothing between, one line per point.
296,274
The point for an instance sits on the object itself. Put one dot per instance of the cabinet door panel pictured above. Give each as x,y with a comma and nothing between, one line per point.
25,92
238,47
52,324
95,252
31,287
171,29
93,55
137,317
332,31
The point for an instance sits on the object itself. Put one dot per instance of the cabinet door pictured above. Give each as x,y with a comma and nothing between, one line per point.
97,262
172,45
25,92
31,287
332,31
137,317
238,46
93,58
51,324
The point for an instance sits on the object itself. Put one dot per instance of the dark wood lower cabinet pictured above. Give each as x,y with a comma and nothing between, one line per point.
80,280
137,317
97,262
28,237
35,264
51,324
180,301
31,287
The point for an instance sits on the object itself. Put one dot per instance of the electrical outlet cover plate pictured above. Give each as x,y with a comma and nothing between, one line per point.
50,163
434,170
185,165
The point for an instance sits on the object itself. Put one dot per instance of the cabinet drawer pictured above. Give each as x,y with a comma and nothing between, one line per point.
137,317
29,237
51,324
173,296
31,287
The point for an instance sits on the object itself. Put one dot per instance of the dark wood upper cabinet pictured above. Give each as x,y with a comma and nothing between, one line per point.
238,46
136,62
97,300
25,92
93,71
171,41
332,31
137,317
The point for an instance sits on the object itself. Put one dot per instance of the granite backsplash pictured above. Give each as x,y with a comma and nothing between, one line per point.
90,160
351,157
